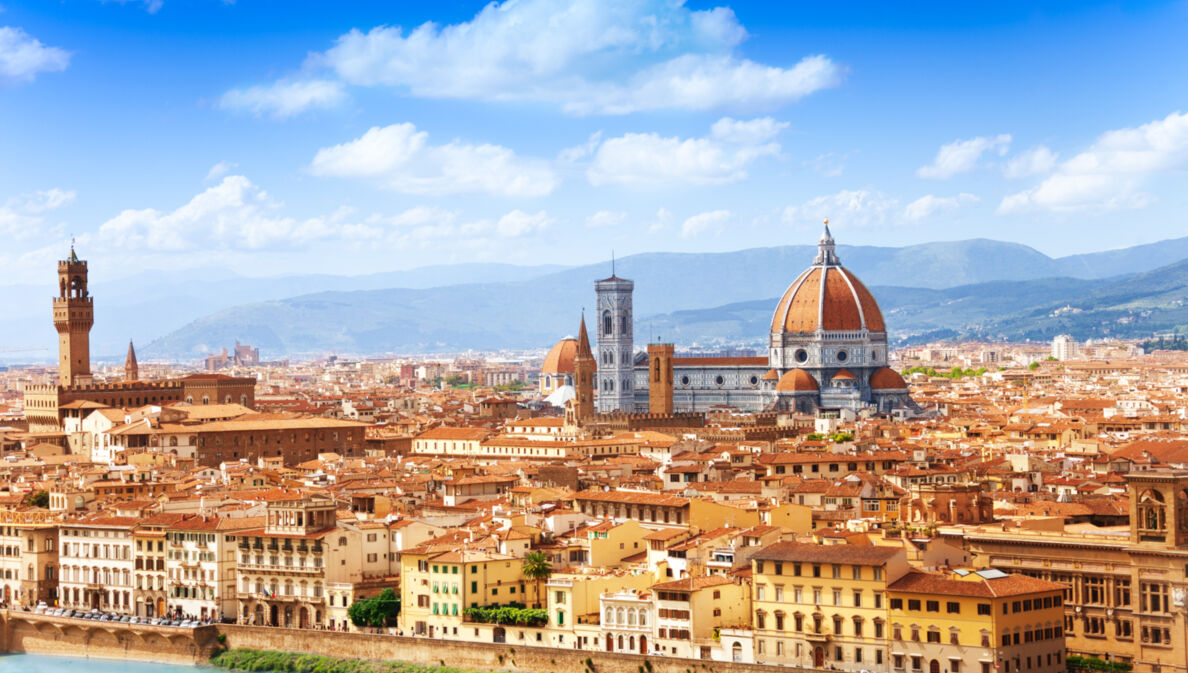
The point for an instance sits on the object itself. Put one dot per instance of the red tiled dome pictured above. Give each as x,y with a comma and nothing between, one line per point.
844,304
797,380
844,375
887,379
771,375
560,357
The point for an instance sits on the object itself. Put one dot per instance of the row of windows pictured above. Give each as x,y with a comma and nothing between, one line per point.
836,570
798,596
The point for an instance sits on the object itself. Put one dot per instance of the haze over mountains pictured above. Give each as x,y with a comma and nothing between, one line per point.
971,288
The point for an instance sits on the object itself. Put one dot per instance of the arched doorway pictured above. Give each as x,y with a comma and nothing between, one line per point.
643,644
272,615
499,635
934,666
818,657
259,618
736,652
610,643
303,619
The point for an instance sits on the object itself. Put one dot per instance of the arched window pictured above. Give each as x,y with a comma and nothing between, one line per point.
608,324
1152,515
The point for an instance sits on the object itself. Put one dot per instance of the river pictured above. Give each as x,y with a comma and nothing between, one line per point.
29,663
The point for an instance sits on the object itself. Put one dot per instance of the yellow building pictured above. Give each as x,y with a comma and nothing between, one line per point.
975,622
823,606
437,586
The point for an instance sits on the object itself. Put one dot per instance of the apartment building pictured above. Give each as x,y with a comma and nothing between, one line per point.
98,564
975,622
823,606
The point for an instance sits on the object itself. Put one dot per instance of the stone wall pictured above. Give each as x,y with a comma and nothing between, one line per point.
476,656
27,633
37,634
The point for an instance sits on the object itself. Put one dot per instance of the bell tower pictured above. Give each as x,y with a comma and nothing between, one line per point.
73,318
584,368
616,366
660,378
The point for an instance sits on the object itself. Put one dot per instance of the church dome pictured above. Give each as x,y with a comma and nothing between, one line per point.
844,375
887,379
560,357
797,380
827,297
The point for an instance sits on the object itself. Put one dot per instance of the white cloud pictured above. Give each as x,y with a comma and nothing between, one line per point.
662,221
587,56
647,159
961,156
700,82
284,98
707,221
1035,161
150,6
220,169
23,217
232,214
855,207
400,158
829,165
23,56
576,153
606,218
929,205
1110,174
519,223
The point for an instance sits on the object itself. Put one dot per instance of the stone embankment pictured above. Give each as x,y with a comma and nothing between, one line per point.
39,634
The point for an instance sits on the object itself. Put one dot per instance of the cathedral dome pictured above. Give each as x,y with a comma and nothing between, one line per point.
827,297
844,375
887,379
797,380
560,357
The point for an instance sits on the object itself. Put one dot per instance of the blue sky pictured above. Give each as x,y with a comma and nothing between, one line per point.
350,137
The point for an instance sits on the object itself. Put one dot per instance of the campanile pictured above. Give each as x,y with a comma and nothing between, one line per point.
73,317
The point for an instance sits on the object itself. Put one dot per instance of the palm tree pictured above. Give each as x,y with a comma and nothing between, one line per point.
537,567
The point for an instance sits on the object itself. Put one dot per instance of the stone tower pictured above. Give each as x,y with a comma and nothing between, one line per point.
584,371
73,317
660,378
1159,507
616,385
131,369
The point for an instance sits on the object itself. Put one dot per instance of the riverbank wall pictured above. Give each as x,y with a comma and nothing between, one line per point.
39,634
30,633
476,656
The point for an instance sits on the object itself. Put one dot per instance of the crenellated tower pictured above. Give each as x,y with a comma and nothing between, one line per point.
73,318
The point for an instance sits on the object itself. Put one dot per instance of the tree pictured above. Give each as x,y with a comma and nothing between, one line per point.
1033,366
537,567
378,610
37,499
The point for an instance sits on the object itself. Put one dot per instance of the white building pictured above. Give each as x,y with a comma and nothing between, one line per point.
96,564
1064,347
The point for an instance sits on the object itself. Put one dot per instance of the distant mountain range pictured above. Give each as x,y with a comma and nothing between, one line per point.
975,288
968,288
